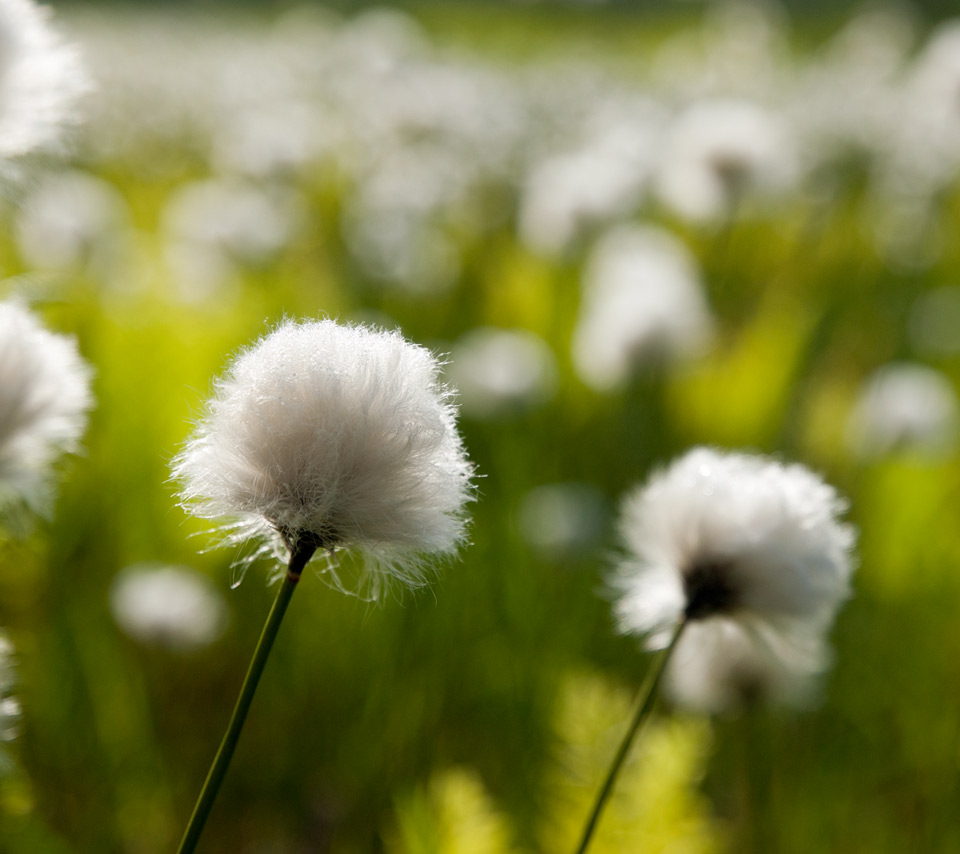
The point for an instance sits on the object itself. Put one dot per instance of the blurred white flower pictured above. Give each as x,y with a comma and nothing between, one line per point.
44,398
243,220
40,81
9,704
721,667
70,219
496,371
168,606
720,151
401,248
905,406
562,519
927,129
213,226
567,193
642,301
324,436
722,539
270,141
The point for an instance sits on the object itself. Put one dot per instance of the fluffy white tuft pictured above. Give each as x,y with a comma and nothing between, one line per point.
41,79
728,539
342,436
719,151
168,606
642,301
44,398
724,666
500,371
905,406
9,704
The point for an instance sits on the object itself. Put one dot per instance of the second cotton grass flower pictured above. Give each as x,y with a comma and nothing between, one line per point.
750,552
326,436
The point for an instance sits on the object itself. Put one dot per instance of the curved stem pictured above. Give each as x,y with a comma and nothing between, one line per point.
646,699
221,762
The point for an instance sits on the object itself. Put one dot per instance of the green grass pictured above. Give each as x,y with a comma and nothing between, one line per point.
361,707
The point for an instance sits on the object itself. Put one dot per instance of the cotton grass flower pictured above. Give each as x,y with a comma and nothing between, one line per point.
322,436
40,81
500,371
735,568
72,220
904,406
331,437
643,302
44,399
9,704
721,151
729,536
167,606
720,668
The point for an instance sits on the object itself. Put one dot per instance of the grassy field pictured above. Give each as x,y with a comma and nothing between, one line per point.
476,715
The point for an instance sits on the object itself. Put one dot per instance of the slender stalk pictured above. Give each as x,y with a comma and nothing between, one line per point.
646,700
208,794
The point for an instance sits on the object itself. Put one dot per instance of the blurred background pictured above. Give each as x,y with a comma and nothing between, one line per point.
631,228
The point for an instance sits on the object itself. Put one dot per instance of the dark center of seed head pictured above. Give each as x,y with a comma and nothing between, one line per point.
708,589
303,541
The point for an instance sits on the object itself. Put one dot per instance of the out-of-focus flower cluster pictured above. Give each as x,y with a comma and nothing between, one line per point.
718,121
359,141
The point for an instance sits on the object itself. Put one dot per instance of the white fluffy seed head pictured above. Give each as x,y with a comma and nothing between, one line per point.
44,399
904,406
40,81
729,538
643,301
342,436
167,606
721,150
9,704
502,371
723,667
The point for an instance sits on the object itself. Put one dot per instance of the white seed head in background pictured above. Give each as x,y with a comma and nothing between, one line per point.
337,436
44,399
721,539
9,705
168,606
70,220
566,194
215,227
498,371
562,520
642,302
721,667
720,152
905,406
41,79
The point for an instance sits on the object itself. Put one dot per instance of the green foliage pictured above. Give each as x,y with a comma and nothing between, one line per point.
364,710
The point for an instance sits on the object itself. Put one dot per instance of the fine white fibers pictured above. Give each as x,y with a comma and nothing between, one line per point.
720,538
44,398
40,80
338,435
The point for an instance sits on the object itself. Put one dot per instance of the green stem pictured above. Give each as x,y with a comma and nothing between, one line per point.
208,794
647,697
